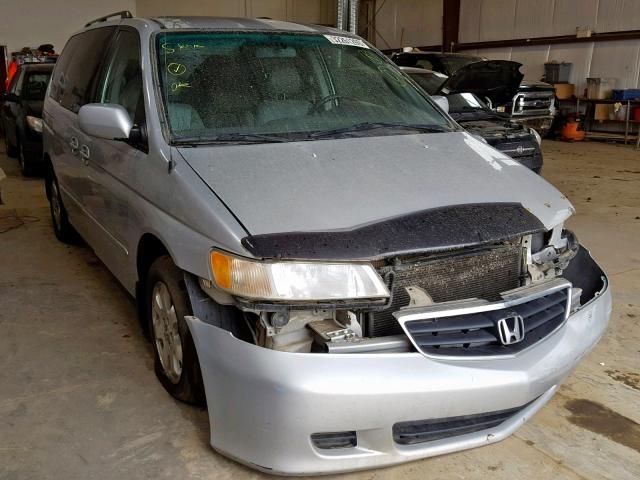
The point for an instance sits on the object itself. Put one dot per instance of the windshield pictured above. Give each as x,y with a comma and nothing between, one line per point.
429,81
465,102
267,86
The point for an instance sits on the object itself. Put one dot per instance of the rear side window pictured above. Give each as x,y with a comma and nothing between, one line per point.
76,71
35,85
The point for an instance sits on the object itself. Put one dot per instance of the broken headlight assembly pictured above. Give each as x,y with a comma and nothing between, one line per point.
549,254
295,281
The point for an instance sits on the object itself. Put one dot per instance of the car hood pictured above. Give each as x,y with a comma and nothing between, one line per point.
533,86
338,184
498,80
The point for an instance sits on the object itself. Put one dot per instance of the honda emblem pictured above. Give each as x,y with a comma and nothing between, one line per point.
511,329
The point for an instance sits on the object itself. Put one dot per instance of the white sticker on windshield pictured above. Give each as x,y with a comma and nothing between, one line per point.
352,42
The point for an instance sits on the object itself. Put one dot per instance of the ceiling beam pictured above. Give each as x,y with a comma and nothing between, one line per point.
525,42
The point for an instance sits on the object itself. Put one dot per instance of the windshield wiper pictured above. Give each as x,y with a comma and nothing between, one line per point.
364,126
232,138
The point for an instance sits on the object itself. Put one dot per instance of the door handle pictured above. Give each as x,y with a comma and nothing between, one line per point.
73,143
85,154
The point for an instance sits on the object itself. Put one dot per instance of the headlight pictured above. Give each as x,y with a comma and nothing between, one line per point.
34,123
536,135
295,280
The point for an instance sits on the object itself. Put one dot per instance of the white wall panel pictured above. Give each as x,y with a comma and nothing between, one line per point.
305,11
532,60
616,15
469,27
497,19
228,8
533,19
408,23
503,53
35,22
579,55
266,8
617,60
569,14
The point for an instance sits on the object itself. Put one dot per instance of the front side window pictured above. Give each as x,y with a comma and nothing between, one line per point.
293,86
122,80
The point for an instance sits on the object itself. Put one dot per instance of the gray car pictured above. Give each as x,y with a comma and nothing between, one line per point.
349,278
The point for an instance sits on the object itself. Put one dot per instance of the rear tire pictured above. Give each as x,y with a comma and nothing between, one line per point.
176,360
59,218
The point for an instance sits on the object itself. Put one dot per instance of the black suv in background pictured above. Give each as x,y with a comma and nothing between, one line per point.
498,81
518,141
21,114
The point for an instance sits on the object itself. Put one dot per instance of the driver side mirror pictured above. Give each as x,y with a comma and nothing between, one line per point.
442,102
105,120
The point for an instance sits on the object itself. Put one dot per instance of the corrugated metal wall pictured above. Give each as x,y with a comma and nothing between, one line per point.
305,11
408,22
485,20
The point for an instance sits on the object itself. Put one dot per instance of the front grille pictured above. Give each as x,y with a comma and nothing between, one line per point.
420,431
476,334
528,149
534,103
525,152
483,273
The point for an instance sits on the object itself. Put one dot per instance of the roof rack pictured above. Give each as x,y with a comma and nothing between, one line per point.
121,14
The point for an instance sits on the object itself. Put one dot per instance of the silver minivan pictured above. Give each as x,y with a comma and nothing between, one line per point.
348,278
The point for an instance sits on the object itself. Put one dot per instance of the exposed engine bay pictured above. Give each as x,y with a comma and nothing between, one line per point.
495,128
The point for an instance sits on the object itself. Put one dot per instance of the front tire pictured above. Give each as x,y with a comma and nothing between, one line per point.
176,359
9,149
26,164
59,218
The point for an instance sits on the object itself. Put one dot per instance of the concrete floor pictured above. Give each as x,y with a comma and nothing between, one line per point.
79,399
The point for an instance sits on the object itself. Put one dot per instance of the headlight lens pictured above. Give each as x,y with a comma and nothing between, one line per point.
34,123
296,281
536,135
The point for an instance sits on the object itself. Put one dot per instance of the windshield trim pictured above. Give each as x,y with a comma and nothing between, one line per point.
173,141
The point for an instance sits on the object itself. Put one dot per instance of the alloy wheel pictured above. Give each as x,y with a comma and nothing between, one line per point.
165,331
56,208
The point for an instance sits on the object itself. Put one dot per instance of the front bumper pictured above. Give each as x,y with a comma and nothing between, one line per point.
264,405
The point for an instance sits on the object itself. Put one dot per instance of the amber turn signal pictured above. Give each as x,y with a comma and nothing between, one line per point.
221,268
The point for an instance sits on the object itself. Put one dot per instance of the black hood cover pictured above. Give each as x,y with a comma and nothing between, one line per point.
498,80
432,230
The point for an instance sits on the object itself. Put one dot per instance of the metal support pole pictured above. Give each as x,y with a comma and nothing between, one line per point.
343,14
354,10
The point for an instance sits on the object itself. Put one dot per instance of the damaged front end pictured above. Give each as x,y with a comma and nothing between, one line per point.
288,308
428,350
488,274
